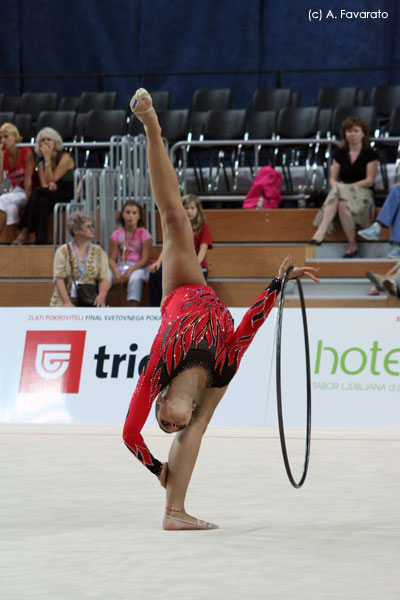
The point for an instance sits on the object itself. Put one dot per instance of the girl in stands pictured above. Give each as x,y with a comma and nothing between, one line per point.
196,351
202,243
129,253
17,164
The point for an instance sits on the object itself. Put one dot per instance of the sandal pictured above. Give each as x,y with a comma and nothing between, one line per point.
192,526
140,94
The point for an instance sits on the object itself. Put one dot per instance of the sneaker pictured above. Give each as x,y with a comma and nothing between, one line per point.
373,279
370,233
390,286
394,252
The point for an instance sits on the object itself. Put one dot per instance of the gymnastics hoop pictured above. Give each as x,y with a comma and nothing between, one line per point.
278,381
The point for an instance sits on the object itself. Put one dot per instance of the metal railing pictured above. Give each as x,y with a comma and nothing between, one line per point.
102,191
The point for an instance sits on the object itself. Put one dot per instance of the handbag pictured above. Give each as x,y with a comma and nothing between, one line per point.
85,292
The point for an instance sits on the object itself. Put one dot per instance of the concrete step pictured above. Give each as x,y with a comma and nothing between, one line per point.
349,268
334,287
366,250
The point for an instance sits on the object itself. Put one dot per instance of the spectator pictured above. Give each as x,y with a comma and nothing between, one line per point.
389,282
89,264
17,164
55,169
389,216
129,254
352,179
202,242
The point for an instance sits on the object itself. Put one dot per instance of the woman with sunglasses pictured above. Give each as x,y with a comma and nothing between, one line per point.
80,261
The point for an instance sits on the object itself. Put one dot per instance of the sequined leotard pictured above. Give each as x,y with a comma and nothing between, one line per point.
197,329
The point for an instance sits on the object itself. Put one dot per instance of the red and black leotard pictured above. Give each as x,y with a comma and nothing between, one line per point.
196,330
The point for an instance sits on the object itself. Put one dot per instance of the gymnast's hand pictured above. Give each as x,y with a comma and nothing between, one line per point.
307,272
163,475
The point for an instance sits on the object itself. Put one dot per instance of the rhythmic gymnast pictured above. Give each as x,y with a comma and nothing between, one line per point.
196,351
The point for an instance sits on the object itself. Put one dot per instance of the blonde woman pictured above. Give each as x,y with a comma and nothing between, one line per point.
55,170
17,165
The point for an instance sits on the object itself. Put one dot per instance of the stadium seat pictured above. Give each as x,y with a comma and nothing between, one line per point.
271,99
385,98
61,121
33,103
24,126
97,101
368,113
69,103
215,99
332,97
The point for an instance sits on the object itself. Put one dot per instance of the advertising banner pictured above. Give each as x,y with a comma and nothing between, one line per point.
82,365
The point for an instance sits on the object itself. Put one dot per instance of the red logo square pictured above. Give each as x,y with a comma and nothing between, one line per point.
52,361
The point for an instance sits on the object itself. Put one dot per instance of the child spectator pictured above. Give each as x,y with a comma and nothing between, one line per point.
202,242
129,253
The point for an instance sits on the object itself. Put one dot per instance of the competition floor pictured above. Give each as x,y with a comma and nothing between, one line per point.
80,517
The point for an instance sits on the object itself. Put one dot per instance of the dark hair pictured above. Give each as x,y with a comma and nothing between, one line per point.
354,122
200,219
131,203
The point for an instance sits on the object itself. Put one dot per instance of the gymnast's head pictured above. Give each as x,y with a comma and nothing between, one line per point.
173,413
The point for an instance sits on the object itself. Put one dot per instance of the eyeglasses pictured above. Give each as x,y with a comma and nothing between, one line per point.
45,139
89,225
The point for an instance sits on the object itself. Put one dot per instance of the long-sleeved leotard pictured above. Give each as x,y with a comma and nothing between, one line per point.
197,330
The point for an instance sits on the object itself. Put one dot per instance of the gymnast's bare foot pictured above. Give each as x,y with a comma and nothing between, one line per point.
178,520
142,106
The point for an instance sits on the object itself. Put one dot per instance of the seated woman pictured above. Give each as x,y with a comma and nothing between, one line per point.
389,216
352,179
80,261
17,164
202,243
196,351
55,170
129,252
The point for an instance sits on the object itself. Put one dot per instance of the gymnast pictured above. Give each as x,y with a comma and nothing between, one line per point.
196,351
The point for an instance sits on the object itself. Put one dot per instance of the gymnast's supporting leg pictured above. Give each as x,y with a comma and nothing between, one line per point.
182,459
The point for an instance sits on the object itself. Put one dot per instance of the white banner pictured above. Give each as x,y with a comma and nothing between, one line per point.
81,366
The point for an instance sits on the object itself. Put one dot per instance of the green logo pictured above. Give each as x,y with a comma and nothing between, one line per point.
373,359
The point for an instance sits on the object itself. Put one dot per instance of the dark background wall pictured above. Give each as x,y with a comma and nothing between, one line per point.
183,36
